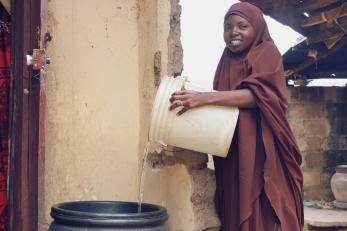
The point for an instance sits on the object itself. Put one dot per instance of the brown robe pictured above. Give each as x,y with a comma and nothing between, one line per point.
259,184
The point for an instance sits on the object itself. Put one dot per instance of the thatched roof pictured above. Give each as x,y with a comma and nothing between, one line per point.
324,23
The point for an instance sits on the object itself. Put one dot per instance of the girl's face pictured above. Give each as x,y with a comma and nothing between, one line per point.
239,34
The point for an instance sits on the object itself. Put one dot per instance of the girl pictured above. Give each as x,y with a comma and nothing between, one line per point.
259,184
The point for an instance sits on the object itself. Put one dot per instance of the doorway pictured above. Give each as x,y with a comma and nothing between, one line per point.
27,34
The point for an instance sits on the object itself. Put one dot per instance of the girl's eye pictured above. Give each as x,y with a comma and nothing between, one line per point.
227,28
243,26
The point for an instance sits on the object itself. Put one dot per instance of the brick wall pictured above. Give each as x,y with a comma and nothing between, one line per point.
318,117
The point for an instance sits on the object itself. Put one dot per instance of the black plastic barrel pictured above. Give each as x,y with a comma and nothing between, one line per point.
106,216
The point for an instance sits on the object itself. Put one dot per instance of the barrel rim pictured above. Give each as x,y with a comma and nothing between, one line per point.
57,210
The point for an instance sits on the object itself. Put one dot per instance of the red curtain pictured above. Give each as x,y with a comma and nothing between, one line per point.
5,82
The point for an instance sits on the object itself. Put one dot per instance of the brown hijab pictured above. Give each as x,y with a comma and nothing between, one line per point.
279,172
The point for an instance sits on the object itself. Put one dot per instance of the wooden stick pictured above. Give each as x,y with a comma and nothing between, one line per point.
326,16
328,31
321,55
312,5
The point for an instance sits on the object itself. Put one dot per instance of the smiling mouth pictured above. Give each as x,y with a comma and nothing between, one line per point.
235,42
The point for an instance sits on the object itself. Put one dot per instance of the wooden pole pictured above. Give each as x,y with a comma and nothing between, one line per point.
312,5
321,55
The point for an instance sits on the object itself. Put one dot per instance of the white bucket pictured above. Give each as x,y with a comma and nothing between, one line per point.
207,129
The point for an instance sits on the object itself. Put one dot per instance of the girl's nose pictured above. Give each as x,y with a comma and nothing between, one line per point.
234,32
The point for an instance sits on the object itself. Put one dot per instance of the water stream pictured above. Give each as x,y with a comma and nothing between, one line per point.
142,179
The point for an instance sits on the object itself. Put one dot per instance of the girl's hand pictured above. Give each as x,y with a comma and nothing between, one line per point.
187,99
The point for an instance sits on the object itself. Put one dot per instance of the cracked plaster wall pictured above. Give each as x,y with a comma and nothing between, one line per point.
190,184
93,103
180,182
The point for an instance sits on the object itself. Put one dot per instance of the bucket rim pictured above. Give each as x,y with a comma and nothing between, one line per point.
174,83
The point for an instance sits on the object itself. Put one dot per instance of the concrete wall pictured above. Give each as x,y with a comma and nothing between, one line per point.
318,118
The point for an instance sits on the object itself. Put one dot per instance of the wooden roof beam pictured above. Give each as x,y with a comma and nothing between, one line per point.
312,5
326,16
329,31
318,56
280,10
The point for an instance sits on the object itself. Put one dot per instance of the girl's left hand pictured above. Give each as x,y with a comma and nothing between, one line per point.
187,99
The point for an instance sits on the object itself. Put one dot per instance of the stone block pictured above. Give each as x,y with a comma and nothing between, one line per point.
160,160
333,141
311,178
296,110
339,126
293,94
315,143
314,110
298,129
314,160
342,142
319,127
333,158
325,219
303,155
202,198
337,142
191,159
188,158
318,192
336,110
325,179
335,94
302,144
311,228
312,94
306,110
